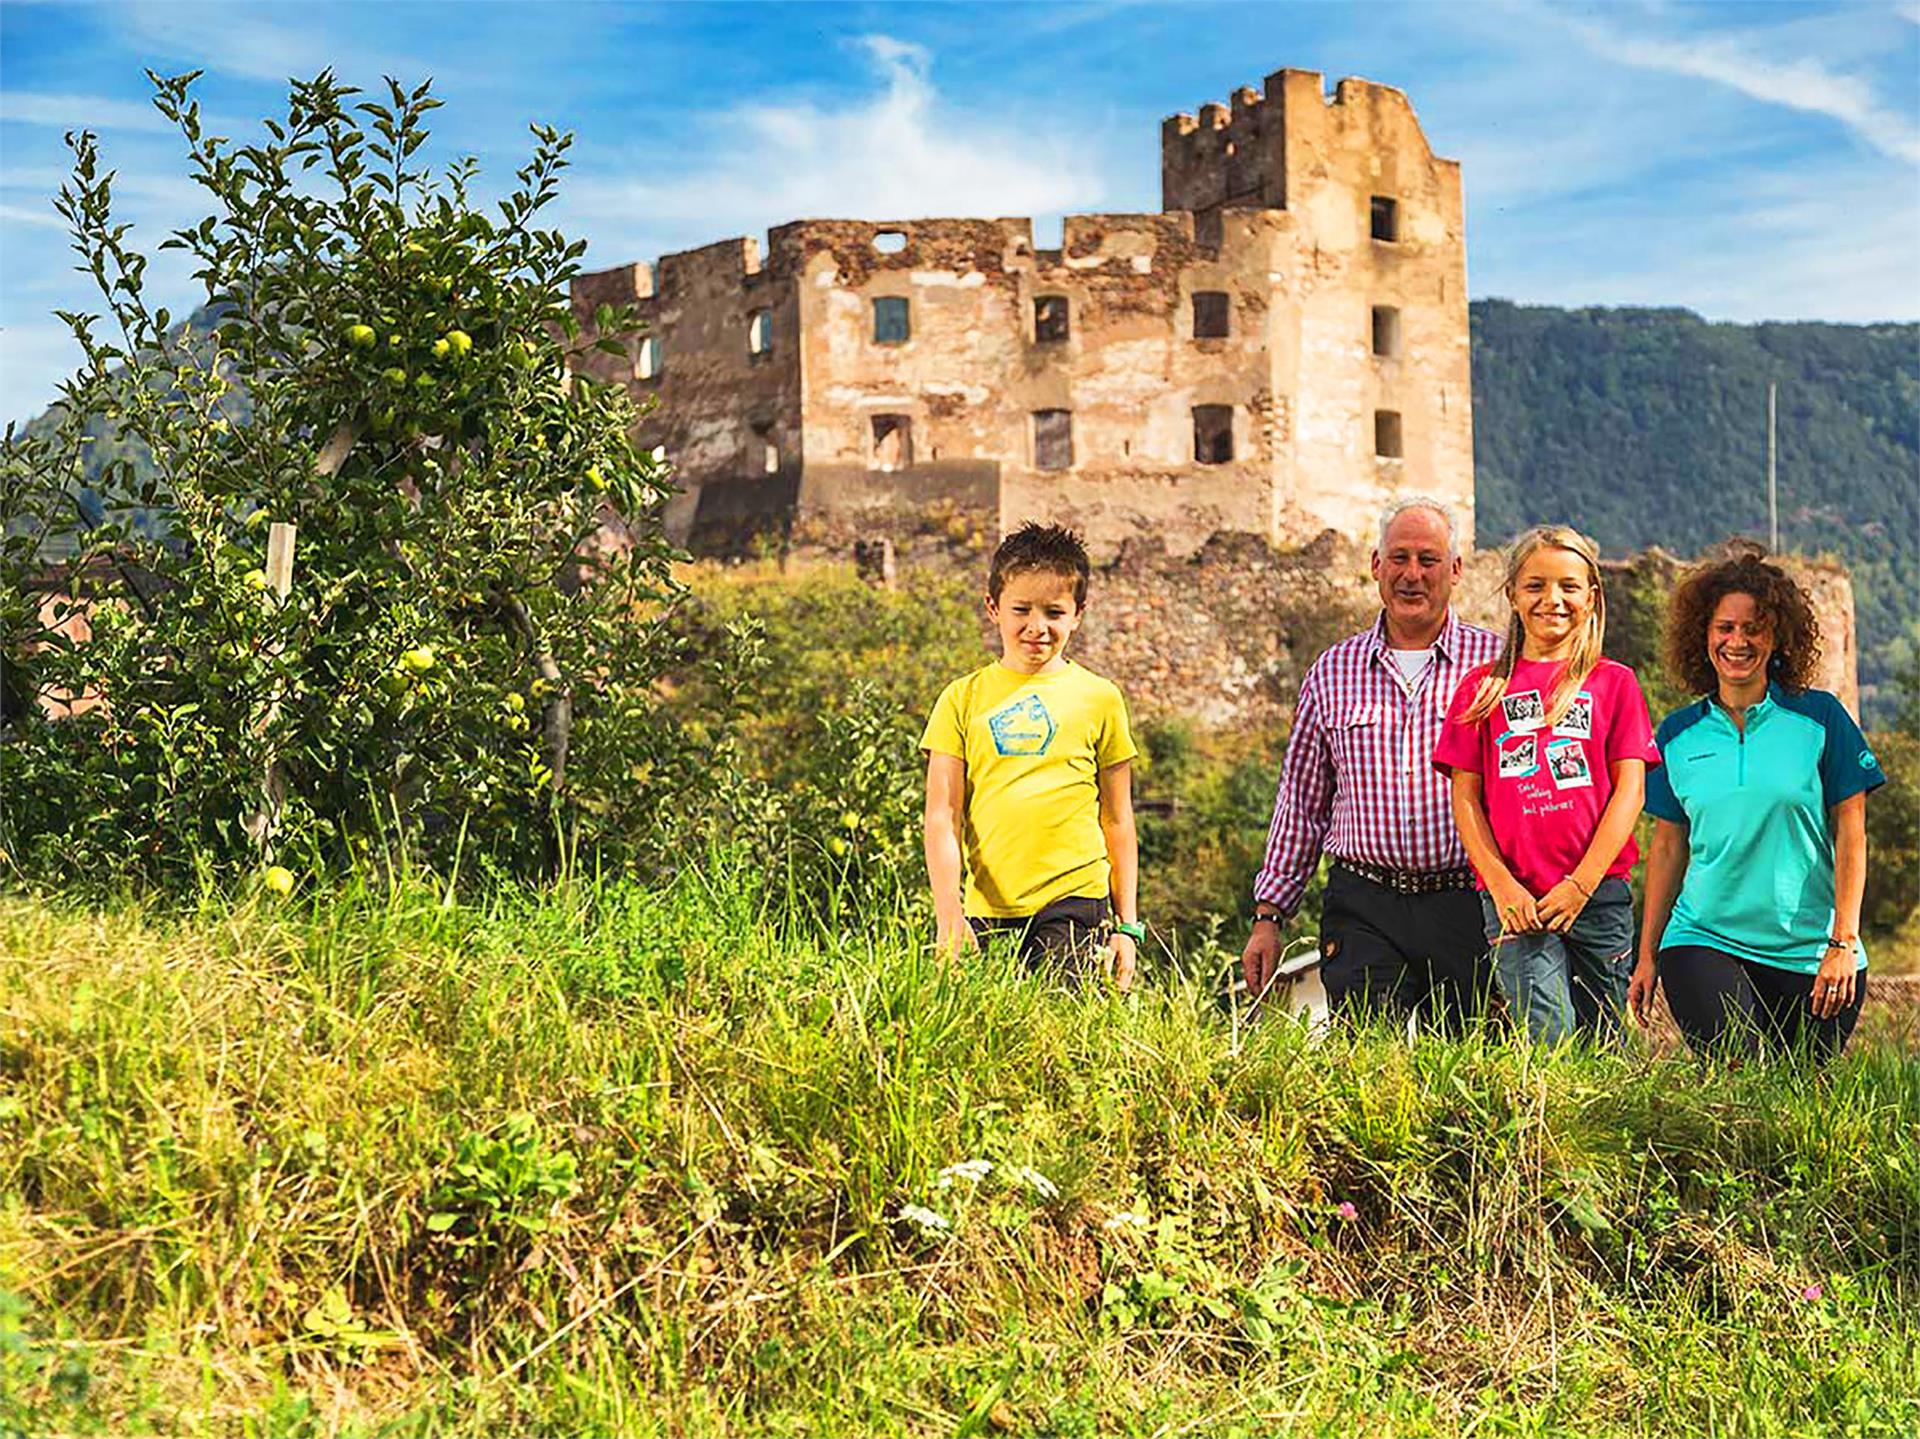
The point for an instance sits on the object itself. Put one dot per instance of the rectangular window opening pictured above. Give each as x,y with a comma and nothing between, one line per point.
1386,434
646,358
1050,319
1384,212
1053,439
760,333
1213,434
891,324
892,442
1386,332
1210,311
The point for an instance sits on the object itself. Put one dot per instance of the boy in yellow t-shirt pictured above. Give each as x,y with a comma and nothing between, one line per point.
1029,777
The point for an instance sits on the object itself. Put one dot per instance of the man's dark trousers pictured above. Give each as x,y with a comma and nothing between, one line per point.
1387,952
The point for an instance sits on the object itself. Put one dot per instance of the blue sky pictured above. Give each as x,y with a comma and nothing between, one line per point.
1748,161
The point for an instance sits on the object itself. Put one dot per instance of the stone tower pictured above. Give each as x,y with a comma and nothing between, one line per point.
1278,352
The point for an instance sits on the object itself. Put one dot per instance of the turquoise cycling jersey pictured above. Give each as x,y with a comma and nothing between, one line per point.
1759,881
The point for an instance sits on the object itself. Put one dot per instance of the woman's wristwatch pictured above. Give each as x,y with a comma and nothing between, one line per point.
1133,929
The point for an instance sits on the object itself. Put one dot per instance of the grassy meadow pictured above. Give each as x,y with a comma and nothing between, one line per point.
702,1159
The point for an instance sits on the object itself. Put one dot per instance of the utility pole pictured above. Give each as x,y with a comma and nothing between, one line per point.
1773,486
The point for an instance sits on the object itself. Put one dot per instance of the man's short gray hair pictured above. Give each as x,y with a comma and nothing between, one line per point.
1419,502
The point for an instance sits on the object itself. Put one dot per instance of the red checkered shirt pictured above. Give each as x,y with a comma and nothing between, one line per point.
1358,781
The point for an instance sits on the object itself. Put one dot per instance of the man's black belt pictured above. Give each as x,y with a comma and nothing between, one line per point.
1410,881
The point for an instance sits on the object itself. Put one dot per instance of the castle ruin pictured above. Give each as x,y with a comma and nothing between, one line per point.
1277,353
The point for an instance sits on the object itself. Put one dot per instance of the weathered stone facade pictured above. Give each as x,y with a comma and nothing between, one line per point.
1224,636
1277,354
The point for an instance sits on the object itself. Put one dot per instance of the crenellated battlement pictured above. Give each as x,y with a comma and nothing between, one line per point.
1252,153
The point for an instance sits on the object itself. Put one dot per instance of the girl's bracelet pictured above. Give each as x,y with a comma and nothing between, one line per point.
1579,886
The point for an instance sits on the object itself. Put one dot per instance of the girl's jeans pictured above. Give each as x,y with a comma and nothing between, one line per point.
1560,984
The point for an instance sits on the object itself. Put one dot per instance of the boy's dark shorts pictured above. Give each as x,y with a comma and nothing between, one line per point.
1061,939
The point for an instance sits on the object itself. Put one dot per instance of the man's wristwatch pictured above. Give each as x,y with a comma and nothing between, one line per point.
1268,913
1133,929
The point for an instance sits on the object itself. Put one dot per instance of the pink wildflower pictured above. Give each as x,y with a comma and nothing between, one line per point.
1812,1293
1346,1210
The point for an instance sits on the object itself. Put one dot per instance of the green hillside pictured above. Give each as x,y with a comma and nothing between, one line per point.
1648,427
694,1160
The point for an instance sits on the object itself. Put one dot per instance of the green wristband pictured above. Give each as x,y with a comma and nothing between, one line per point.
1132,929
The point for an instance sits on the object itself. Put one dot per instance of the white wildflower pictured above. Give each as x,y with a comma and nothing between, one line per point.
1037,1182
971,1170
930,1224
1114,1223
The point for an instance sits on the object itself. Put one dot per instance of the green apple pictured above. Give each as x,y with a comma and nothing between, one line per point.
418,660
516,701
394,376
361,337
256,579
460,342
277,879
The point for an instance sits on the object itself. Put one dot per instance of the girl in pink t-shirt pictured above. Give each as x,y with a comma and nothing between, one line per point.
1548,749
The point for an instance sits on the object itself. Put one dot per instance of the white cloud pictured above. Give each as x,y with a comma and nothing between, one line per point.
1800,84
79,112
32,218
899,153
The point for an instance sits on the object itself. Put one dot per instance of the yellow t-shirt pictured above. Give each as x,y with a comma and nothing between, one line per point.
1034,746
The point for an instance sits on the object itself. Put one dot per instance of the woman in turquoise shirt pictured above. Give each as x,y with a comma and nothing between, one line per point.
1759,854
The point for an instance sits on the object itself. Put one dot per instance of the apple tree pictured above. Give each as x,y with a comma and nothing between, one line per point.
461,658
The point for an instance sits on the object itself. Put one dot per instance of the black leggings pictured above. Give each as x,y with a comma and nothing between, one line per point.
1726,1005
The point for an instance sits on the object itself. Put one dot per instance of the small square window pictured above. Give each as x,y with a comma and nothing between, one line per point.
1053,439
1385,218
1213,434
1386,434
646,358
892,442
760,332
1050,319
1386,332
1210,311
890,320
770,459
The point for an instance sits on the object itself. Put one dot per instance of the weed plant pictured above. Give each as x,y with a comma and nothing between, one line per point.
724,1158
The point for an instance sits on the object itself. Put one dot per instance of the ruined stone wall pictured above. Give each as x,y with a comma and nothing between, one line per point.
975,372
1269,207
1223,636
1337,158
728,418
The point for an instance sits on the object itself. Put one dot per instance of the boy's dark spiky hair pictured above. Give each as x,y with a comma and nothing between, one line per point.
1051,549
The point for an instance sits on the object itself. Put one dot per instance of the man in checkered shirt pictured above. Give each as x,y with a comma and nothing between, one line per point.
1400,925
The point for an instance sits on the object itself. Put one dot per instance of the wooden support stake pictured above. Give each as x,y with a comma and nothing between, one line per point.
280,558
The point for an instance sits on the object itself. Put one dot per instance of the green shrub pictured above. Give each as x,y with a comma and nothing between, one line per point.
451,667
1893,835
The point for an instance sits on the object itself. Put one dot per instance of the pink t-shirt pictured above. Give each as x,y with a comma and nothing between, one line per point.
1546,786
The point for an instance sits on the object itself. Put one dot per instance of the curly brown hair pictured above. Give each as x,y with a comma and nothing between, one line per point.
1785,606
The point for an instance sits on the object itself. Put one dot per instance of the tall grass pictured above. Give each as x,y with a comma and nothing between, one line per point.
608,1160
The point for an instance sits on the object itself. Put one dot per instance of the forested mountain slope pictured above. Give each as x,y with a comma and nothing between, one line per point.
1648,427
